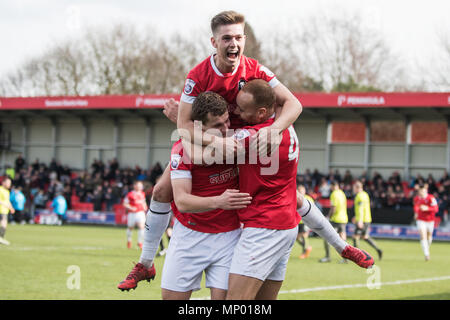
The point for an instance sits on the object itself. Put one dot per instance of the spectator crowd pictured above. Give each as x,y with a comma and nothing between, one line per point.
106,184
103,185
393,192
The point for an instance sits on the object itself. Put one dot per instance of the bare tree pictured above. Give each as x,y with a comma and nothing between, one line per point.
331,53
119,60
441,72
343,51
324,54
282,56
252,45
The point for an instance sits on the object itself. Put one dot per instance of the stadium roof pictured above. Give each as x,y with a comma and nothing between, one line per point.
415,105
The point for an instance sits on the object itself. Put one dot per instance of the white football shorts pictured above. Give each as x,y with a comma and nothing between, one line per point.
425,225
191,252
133,218
263,253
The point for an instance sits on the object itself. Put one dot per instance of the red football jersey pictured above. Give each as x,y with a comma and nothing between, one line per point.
427,215
274,203
137,200
207,181
207,77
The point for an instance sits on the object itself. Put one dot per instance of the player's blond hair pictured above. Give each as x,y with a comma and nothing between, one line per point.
226,18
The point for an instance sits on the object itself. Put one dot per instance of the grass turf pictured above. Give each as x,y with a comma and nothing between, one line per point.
36,265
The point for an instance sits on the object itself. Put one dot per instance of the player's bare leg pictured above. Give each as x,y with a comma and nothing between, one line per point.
424,243
269,290
129,237
141,228
242,287
156,224
3,226
356,240
306,247
218,294
302,242
429,240
175,295
373,244
343,236
429,237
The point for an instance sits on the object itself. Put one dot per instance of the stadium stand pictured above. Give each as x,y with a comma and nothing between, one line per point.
103,187
396,138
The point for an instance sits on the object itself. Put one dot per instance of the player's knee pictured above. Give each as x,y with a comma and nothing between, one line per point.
165,295
233,295
162,192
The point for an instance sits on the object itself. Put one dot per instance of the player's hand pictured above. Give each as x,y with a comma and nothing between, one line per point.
360,224
232,199
267,141
12,210
224,148
171,110
300,200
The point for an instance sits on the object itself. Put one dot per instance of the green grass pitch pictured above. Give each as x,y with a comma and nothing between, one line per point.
37,266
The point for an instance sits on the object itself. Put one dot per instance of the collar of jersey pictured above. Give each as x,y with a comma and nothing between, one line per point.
216,70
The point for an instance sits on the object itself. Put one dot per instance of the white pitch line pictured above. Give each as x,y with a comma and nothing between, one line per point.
357,285
362,285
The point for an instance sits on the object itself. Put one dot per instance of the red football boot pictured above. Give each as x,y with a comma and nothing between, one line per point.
358,256
139,273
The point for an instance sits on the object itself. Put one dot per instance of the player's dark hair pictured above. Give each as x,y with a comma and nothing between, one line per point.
226,18
208,102
262,92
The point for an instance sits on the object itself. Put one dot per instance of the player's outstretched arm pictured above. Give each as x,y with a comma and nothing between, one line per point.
269,138
291,108
188,132
187,202
127,205
219,151
171,110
